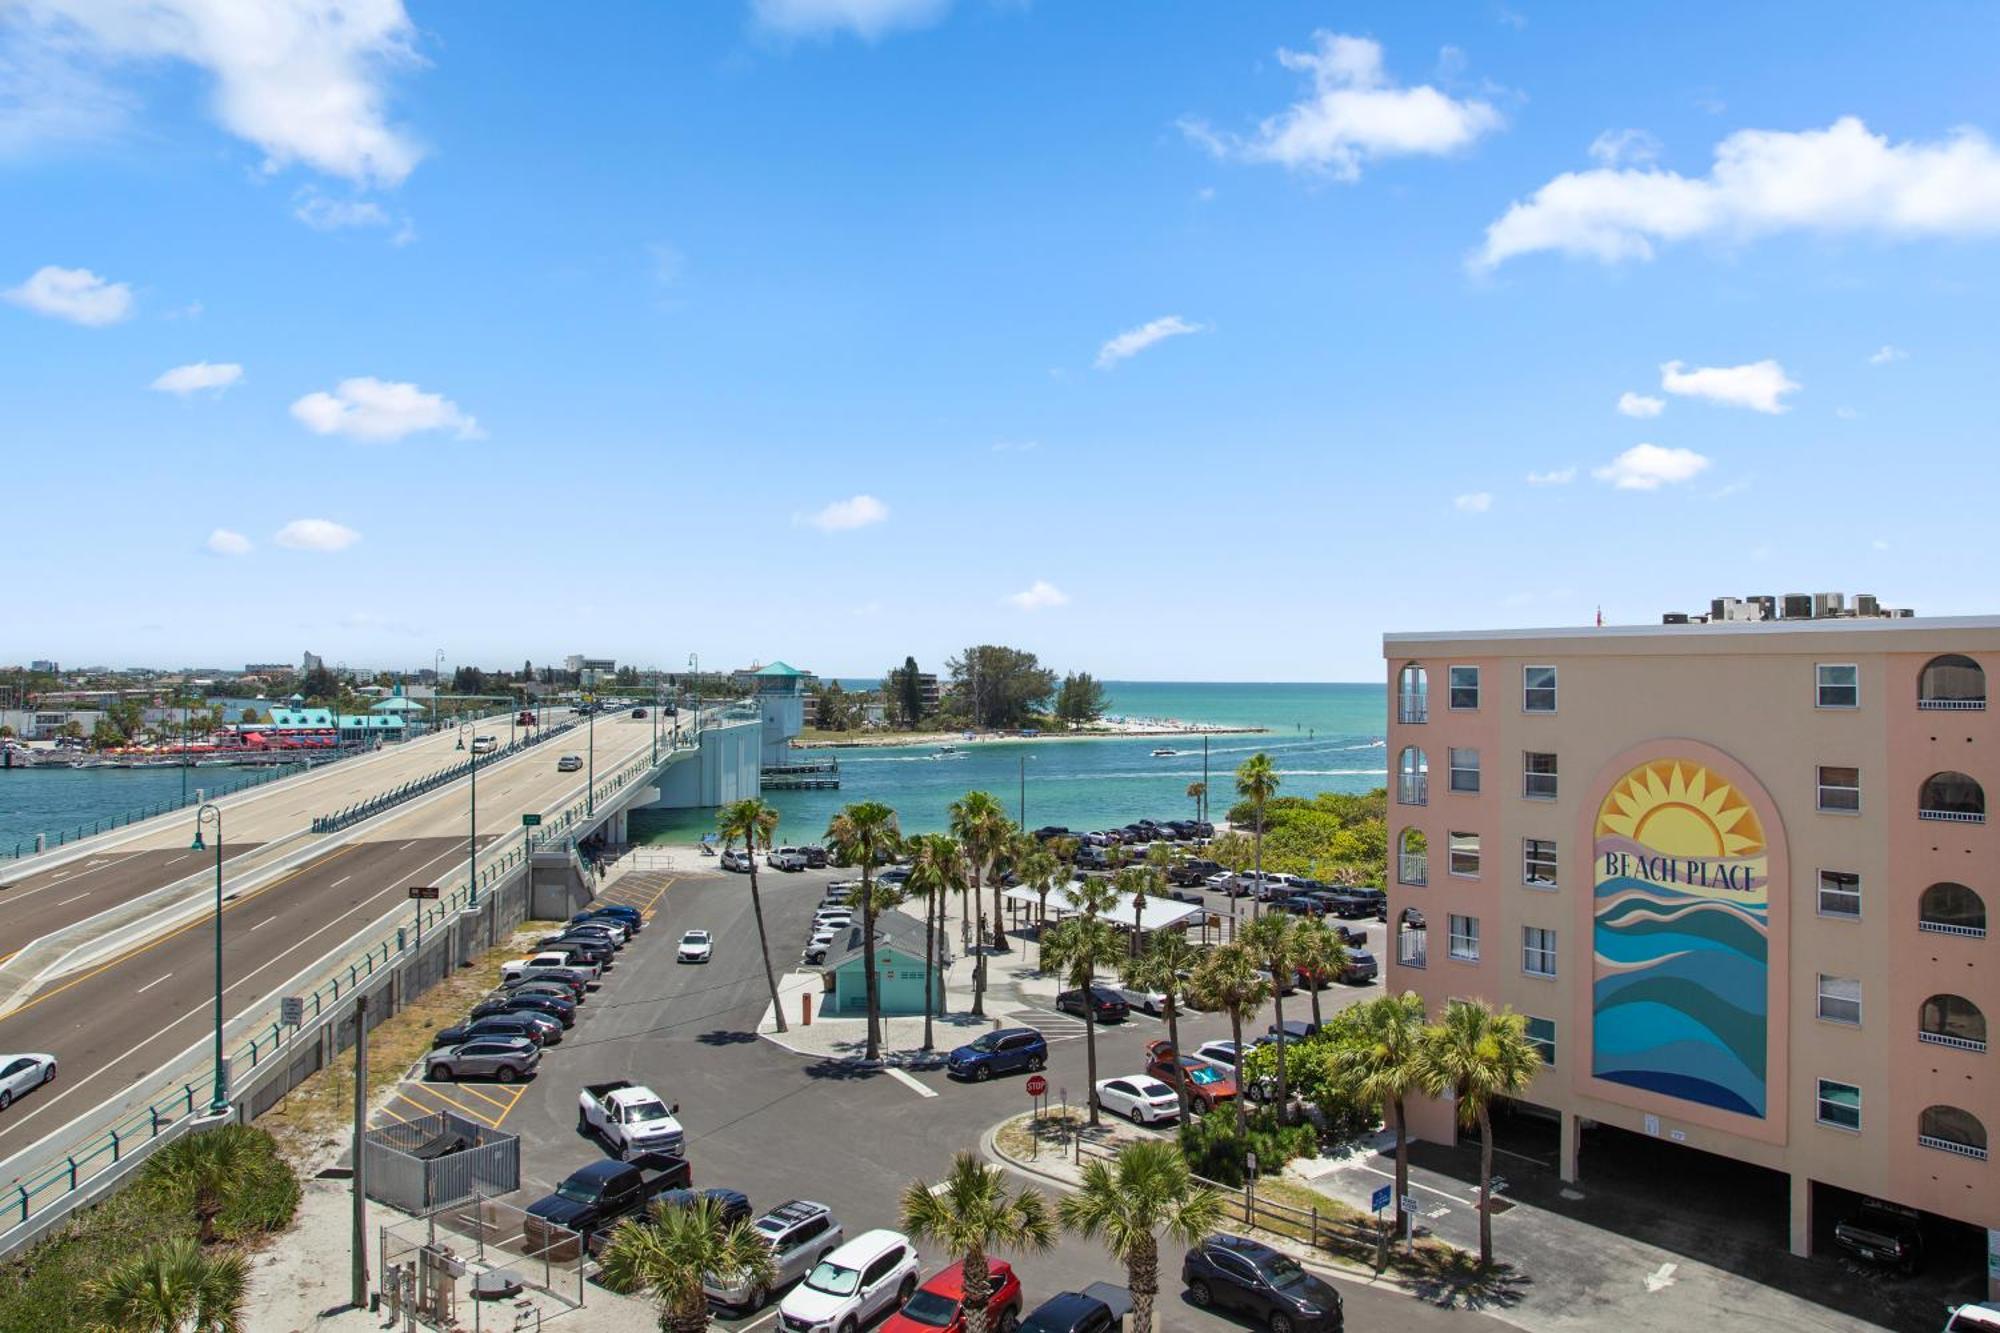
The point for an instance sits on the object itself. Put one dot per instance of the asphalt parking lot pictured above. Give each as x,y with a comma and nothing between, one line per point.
780,1126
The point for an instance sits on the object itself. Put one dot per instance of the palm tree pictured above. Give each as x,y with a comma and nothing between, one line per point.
669,1254
754,821
1257,783
1382,1067
1270,939
1129,1201
1078,947
1227,979
1162,967
980,824
1197,792
1040,870
865,833
970,1213
1139,882
1320,954
170,1288
937,866
1476,1055
207,1167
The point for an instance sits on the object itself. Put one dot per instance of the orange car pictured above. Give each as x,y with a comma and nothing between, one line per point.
1208,1085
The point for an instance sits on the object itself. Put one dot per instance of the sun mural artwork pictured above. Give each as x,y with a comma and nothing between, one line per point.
1681,937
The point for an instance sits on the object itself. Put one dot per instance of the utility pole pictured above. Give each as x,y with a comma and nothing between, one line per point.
360,1260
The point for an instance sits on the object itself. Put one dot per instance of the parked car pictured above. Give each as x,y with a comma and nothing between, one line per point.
1217,1052
799,1233
555,1007
1193,871
1106,1004
1140,1099
580,950
1983,1317
733,1206
630,1118
1098,1308
615,928
1208,1085
1361,968
631,916
938,1303
1882,1233
1285,985
1300,904
1267,1286
22,1074
841,892
569,763
820,944
874,1272
735,858
1147,1001
546,966
1352,938
1047,831
1001,1051
789,859
696,946
1295,1029
815,856
538,1028
567,988
501,1058
594,1198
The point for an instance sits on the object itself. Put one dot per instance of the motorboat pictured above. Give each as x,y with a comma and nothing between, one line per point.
1164,753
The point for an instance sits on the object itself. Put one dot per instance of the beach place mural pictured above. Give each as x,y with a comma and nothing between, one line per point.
1681,923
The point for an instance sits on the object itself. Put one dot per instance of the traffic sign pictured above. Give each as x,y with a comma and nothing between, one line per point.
292,1010
1037,1085
530,821
1409,1203
1380,1198
423,891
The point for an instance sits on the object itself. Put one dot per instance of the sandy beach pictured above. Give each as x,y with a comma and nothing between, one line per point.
1108,729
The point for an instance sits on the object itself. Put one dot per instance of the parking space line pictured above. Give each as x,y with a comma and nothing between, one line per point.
482,1096
912,1083
519,1092
1428,1189
480,1116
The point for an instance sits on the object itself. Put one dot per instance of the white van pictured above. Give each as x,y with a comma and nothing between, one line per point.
1981,1318
871,1274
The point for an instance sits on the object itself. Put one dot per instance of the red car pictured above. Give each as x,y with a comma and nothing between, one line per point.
936,1304
1209,1085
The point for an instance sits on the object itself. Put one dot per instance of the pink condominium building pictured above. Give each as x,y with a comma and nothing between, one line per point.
1736,874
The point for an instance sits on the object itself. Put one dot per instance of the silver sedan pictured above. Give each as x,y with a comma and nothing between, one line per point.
21,1074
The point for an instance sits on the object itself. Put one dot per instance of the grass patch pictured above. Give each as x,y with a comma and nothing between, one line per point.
320,1111
1360,1237
1048,1136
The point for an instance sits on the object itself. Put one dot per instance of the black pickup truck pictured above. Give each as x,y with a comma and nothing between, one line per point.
592,1200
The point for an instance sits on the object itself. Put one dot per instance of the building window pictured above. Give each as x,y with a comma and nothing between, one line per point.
1839,1104
1538,951
1464,941
1538,863
1464,688
1542,1036
1948,1129
1465,854
1839,894
1538,776
1413,858
1839,789
1413,695
1538,689
1952,682
1464,770
1952,909
1840,999
1413,777
1952,797
1952,1020
1837,685
1412,940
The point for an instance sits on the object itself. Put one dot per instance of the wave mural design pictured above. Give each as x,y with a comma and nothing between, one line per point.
1680,991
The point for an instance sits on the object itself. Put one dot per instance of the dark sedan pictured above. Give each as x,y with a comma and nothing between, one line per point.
1264,1285
537,1028
1107,1005
553,1006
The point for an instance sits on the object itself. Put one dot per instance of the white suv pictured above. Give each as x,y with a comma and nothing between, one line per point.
873,1273
800,1234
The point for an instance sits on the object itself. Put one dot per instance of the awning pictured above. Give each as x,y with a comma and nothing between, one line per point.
1159,912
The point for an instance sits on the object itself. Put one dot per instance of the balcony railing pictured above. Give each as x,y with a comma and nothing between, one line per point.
1413,790
1947,928
1413,710
1414,958
1412,868
1946,1039
1952,705
1952,1145
1953,816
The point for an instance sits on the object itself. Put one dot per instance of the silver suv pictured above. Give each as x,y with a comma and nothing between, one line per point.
502,1058
800,1234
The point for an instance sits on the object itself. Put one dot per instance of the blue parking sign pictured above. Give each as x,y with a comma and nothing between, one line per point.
1380,1199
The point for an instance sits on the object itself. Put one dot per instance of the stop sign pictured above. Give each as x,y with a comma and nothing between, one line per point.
1037,1085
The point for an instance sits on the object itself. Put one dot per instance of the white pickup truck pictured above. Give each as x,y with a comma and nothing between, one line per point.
632,1119
555,965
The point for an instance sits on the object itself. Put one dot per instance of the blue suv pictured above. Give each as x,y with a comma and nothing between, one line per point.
1001,1051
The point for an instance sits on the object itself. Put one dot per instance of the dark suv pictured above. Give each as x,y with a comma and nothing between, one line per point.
1260,1283
1193,872
1107,1005
1001,1051
1882,1233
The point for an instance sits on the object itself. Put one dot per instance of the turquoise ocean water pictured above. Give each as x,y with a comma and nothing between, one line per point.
1322,737
53,800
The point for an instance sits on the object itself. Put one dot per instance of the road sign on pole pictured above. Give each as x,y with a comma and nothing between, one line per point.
427,891
1037,1085
1381,1197
531,821
292,1010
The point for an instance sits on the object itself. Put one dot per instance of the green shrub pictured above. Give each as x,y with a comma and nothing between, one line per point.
1215,1150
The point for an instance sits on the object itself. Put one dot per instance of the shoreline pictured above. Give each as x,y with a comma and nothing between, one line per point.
1116,731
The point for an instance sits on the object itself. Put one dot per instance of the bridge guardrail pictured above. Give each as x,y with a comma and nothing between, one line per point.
416,787
62,837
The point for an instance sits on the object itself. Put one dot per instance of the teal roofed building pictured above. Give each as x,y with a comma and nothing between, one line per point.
781,692
353,727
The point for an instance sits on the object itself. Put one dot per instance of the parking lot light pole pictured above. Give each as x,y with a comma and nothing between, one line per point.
218,1102
590,799
472,837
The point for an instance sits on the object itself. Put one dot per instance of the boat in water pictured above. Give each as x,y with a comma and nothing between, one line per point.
1164,753
948,752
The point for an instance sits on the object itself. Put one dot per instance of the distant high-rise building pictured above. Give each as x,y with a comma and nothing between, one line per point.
43,664
312,662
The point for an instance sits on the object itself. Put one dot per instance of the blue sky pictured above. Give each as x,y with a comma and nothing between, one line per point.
1184,341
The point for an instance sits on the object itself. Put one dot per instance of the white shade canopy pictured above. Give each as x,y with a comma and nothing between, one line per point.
1065,900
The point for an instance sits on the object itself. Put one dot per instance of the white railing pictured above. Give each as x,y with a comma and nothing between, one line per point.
1413,709
1946,928
1952,705
1412,868
1954,816
1952,1145
1946,1039
1413,790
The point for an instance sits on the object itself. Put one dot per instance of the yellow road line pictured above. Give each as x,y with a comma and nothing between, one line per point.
480,1116
468,1088
519,1092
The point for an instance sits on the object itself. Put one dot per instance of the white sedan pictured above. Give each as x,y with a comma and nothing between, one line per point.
23,1073
1141,1099
696,947
1147,1001
1218,1052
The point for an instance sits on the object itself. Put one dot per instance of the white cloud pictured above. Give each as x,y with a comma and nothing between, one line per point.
1555,477
1354,114
1134,341
315,534
1640,405
188,379
224,542
1618,148
1760,386
1038,595
1474,502
304,80
322,213
867,19
858,511
378,411
1845,413
1888,354
74,294
1647,467
1839,179
1879,544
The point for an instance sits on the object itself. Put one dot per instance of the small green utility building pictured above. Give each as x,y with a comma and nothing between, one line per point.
899,971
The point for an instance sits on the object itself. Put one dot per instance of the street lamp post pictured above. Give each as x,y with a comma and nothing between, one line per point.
694,669
218,1102
472,838
590,799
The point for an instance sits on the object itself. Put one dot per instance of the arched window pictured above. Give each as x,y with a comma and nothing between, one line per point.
1952,1020
1951,909
1952,796
1952,681
1949,1129
1413,694
1413,947
1413,857
1413,777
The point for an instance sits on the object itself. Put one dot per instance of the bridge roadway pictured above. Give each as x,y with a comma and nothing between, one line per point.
118,1027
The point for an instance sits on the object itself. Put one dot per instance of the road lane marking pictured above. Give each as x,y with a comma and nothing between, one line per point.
342,880
265,922
1661,1278
79,898
149,985
62,875
1428,1189
178,859
907,1081
406,846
